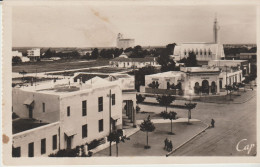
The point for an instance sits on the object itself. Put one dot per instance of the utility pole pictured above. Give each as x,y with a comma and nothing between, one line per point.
110,149
35,77
226,79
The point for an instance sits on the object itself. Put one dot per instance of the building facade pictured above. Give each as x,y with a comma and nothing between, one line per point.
209,80
67,114
204,51
123,43
34,54
123,62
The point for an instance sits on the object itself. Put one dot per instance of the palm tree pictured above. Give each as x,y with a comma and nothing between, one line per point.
165,100
147,126
190,106
171,116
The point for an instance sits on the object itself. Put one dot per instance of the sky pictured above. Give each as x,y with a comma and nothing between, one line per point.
98,26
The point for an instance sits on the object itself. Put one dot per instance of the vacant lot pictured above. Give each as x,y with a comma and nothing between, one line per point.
93,70
58,65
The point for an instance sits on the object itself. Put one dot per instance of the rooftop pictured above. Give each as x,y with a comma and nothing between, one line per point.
21,125
229,61
199,69
66,86
167,74
145,59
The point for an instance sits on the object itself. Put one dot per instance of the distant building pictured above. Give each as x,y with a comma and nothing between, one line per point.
66,114
124,62
34,54
204,51
123,43
19,54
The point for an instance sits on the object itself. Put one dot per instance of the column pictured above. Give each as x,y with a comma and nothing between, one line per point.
134,118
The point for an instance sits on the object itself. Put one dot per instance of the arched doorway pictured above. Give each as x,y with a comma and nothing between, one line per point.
213,87
205,87
220,84
196,88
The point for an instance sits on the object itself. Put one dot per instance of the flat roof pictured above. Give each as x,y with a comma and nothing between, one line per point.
66,86
229,61
167,74
200,69
21,125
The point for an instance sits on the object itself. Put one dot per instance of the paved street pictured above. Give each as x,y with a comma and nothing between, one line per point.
234,122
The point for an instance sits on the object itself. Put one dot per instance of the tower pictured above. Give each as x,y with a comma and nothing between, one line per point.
215,30
119,36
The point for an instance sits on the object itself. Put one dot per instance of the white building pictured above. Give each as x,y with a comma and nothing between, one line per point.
204,51
123,43
124,62
19,54
66,114
34,54
204,80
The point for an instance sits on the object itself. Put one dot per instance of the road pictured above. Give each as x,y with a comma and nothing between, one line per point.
234,134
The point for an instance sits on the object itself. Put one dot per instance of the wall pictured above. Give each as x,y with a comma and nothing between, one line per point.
161,80
51,113
35,135
93,115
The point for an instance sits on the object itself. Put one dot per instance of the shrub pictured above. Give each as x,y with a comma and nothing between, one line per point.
138,109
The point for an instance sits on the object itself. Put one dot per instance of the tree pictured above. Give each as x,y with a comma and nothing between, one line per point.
229,88
137,52
191,60
140,75
23,73
171,116
117,136
49,53
94,54
16,60
147,126
165,100
139,98
190,106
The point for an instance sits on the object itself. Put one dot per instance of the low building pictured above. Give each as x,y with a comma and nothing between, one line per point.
125,62
192,80
243,65
34,54
19,54
66,114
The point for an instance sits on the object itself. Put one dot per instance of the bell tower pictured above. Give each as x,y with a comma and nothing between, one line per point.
215,30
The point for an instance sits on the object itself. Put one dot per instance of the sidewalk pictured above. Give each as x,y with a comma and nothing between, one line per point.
219,99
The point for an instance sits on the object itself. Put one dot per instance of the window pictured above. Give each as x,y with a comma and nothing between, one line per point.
84,131
43,146
30,149
100,125
43,107
16,152
113,99
100,104
54,142
68,111
84,108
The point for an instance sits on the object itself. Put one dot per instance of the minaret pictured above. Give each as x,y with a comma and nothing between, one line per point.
215,30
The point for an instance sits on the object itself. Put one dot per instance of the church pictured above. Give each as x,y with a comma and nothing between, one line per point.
204,51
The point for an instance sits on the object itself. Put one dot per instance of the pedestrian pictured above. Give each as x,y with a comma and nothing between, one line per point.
165,143
170,145
212,123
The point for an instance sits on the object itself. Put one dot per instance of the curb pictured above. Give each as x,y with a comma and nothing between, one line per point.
169,153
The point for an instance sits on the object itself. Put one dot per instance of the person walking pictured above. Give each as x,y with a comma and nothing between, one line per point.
212,123
170,145
165,143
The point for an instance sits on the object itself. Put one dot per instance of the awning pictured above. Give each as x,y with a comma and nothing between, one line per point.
115,117
70,133
28,102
